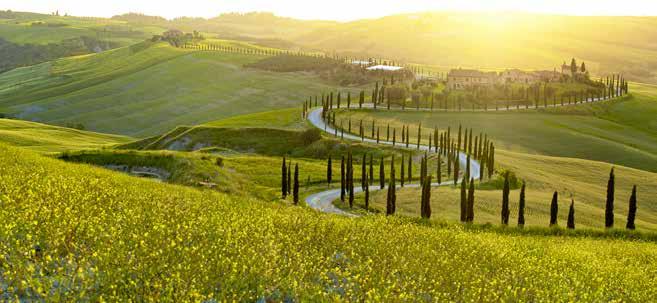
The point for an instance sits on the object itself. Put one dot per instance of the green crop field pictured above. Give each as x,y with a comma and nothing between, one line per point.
270,251
50,139
147,89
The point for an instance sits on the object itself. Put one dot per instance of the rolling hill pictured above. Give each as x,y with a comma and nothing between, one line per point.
149,88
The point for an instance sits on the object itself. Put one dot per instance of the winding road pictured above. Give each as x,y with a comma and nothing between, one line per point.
323,201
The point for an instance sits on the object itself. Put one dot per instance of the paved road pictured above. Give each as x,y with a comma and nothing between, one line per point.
323,201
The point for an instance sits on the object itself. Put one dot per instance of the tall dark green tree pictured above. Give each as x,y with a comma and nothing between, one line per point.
464,201
609,208
521,207
289,177
284,179
505,200
571,216
471,200
439,170
426,198
342,179
554,209
366,189
392,195
410,167
295,191
351,180
382,174
631,213
363,172
456,169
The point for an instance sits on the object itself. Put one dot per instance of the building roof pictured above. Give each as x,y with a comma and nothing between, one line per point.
385,67
470,73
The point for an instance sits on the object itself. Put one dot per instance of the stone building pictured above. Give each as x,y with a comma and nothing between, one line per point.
463,78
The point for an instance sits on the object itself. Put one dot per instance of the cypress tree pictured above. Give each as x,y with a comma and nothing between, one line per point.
348,100
609,209
363,173
521,207
289,177
366,186
388,133
342,179
382,174
464,201
554,209
295,191
284,179
329,171
426,198
505,200
470,206
339,100
351,181
466,173
392,196
571,215
631,213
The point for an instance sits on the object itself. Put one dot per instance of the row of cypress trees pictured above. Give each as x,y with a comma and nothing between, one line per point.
289,185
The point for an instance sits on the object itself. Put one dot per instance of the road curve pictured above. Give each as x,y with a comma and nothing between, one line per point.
323,201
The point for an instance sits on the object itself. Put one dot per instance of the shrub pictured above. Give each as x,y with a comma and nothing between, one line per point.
310,135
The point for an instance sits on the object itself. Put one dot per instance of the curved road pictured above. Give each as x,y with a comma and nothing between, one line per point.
323,201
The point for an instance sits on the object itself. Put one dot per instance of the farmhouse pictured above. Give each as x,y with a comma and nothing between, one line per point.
385,68
462,78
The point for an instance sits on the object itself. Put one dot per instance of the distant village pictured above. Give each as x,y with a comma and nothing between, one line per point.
466,78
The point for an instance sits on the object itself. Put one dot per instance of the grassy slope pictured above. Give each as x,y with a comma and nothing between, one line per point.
20,30
48,139
621,132
145,90
274,252
584,181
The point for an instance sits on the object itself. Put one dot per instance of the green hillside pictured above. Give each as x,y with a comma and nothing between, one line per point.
147,89
28,38
49,139
270,251
621,132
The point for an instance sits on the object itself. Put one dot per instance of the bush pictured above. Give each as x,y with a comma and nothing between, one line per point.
311,135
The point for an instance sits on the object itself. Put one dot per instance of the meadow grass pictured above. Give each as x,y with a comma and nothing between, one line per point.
52,139
129,239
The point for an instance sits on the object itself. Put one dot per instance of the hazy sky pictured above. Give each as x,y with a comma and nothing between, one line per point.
331,9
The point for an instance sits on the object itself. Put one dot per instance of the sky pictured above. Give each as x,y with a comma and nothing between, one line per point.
340,10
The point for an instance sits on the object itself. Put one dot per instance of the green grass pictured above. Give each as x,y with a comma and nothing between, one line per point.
620,132
67,220
285,119
146,89
584,181
20,30
51,139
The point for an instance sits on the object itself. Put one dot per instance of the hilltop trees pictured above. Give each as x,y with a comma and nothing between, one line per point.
609,207
631,213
